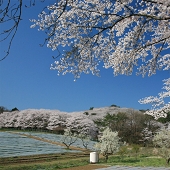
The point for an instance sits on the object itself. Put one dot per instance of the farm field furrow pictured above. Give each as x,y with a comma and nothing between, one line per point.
58,138
13,144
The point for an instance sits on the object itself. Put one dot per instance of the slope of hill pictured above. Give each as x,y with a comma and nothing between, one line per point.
133,126
51,119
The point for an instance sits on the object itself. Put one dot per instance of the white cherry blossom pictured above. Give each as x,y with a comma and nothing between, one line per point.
159,106
121,34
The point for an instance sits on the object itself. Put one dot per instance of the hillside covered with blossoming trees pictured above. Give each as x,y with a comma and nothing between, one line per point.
51,119
132,125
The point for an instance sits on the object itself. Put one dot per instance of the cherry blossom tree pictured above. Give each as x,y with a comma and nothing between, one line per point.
82,124
147,136
159,106
69,137
33,118
109,143
122,34
85,139
162,139
50,120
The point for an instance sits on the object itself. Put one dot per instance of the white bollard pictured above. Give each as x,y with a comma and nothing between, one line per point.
94,157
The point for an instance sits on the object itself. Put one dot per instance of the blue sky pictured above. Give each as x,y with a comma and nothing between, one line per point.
26,81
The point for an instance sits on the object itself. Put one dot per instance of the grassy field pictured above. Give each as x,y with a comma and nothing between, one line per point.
44,162
141,161
54,162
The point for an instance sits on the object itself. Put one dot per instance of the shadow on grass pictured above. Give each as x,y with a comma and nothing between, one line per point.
130,161
117,159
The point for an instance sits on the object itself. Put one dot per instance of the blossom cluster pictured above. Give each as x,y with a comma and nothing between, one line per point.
121,34
109,142
48,119
162,138
160,107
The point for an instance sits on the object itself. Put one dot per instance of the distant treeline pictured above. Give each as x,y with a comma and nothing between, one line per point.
4,109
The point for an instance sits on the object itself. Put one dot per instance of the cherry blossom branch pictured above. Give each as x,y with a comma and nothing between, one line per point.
159,107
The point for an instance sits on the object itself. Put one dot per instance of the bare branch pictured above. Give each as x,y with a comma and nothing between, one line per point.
10,14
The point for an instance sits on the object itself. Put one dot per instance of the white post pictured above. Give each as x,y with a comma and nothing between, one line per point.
94,157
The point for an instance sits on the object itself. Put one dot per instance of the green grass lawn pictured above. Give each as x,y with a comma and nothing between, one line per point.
113,160
140,161
49,165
